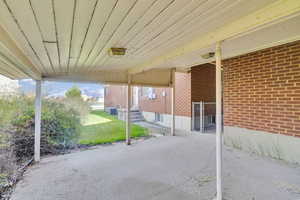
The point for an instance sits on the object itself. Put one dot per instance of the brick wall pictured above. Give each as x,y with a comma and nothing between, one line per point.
183,92
204,83
262,90
204,86
162,104
115,96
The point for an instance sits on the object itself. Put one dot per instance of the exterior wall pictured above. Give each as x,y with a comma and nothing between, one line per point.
203,82
181,122
115,96
262,96
262,90
277,146
162,104
183,92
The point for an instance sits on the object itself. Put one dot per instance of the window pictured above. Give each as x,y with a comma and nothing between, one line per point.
144,91
151,94
158,117
148,92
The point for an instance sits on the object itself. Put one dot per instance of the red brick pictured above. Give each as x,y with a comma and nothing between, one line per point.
274,90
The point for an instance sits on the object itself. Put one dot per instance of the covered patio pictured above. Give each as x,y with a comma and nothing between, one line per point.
160,168
137,43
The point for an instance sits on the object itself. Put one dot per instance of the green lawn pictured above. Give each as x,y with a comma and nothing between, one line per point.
99,128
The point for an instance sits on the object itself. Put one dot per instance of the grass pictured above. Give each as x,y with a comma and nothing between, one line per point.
100,128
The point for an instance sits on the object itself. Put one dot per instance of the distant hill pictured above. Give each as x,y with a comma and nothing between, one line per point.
57,89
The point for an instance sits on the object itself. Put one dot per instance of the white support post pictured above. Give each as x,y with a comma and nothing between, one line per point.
37,132
219,121
128,123
173,104
201,117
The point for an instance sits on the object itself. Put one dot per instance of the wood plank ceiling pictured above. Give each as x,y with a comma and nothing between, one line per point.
65,36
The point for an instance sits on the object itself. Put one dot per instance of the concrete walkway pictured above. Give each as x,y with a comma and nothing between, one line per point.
162,168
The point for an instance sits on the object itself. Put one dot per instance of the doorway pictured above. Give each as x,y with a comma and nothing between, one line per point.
203,116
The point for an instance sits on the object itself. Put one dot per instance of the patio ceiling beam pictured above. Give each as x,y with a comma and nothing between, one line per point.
106,77
10,49
151,78
159,77
271,14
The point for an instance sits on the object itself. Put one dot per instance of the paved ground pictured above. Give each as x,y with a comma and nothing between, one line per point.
162,168
155,129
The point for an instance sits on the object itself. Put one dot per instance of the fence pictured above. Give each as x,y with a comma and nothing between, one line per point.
203,116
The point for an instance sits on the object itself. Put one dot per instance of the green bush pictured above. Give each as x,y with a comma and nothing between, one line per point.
60,125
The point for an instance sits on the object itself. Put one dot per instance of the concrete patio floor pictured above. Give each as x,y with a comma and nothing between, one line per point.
175,168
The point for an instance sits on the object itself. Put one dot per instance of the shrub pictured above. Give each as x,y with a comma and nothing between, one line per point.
60,131
60,125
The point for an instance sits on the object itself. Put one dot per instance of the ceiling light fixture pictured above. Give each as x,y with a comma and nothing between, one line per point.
208,55
114,51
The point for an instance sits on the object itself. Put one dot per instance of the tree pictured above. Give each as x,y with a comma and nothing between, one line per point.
73,92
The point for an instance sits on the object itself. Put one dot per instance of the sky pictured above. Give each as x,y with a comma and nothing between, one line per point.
55,89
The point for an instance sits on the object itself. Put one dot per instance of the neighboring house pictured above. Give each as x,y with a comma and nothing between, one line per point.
261,100
8,86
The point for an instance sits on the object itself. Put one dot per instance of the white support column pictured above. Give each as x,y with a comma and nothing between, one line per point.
173,104
219,120
37,132
128,123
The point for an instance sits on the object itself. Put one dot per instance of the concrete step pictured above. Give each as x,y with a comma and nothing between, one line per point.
137,120
136,116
